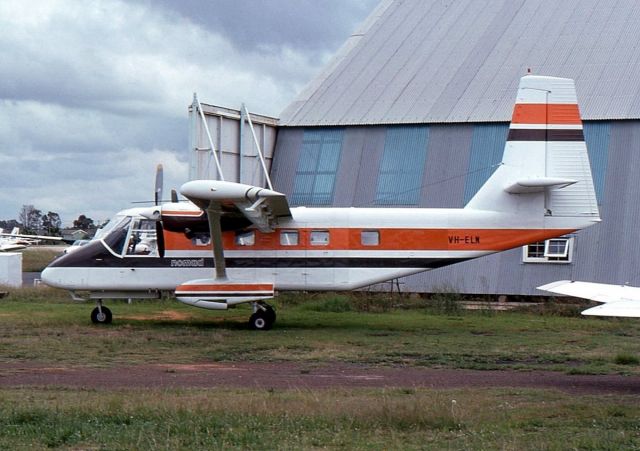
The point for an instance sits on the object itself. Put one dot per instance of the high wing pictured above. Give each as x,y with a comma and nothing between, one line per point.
619,300
221,199
261,206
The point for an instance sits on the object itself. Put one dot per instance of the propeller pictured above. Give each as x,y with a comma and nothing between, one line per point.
158,199
158,189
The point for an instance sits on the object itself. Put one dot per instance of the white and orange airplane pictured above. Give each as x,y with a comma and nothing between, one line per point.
542,189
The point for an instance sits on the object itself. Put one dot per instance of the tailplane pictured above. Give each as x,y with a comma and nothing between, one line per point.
545,168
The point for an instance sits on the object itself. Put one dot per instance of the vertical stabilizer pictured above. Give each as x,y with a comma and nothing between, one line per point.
545,167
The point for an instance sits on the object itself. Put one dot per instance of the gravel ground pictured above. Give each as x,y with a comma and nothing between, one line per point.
287,375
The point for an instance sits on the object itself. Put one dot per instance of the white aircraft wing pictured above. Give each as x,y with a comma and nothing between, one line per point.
33,237
619,300
261,206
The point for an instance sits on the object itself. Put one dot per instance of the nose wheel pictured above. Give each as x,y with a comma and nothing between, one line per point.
101,314
263,317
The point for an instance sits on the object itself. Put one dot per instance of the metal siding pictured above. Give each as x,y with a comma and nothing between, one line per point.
446,165
428,61
367,173
402,166
487,147
352,149
285,159
596,135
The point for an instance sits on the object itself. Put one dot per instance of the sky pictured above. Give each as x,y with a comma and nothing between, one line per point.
94,93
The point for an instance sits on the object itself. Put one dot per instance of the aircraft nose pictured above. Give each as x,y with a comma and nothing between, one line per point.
48,277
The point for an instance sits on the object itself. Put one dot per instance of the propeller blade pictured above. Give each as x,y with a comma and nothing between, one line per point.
160,238
174,196
158,189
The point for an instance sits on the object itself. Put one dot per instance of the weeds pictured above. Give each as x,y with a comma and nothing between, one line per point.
302,419
624,358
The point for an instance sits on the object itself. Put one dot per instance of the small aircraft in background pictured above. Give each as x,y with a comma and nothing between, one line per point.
16,241
542,189
618,300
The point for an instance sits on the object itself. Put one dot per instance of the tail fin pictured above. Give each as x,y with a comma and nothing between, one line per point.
15,231
545,167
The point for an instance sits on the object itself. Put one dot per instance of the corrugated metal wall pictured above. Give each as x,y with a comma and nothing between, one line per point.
455,166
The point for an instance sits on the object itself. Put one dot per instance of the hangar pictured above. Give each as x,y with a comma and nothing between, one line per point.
413,111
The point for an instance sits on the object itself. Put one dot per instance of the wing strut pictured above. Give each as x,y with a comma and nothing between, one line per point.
215,230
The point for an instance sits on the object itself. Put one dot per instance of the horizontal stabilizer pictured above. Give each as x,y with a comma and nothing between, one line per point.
536,185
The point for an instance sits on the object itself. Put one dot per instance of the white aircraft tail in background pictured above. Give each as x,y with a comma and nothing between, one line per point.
618,300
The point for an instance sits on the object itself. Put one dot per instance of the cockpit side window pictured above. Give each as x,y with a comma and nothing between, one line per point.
143,239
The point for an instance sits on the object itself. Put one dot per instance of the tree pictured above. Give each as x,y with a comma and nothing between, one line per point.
51,223
83,223
8,225
31,219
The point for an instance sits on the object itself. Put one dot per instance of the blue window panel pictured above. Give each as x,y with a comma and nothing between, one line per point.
315,177
487,148
596,135
402,165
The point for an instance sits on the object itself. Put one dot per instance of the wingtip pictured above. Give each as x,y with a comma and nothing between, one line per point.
552,285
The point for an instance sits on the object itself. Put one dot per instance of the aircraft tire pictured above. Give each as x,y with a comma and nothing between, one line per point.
270,314
105,318
260,321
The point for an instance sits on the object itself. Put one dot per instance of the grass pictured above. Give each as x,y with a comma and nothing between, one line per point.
36,259
306,419
44,325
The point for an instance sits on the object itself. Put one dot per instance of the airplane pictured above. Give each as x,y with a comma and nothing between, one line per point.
15,241
542,189
618,300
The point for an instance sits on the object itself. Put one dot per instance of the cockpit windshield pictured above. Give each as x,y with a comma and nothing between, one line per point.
115,233
108,226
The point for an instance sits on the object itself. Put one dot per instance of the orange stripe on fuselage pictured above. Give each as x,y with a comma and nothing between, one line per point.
390,240
546,113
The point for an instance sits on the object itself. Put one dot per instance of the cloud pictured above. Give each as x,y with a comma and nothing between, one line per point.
95,94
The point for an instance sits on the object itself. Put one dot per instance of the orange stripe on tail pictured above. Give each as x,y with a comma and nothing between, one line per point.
546,113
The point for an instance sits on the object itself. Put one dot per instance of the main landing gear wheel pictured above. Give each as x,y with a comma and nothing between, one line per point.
263,318
101,315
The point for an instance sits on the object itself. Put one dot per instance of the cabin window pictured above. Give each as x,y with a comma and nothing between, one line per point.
370,237
555,250
289,238
201,239
246,238
143,239
319,238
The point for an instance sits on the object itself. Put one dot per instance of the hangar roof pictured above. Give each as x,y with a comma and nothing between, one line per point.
439,61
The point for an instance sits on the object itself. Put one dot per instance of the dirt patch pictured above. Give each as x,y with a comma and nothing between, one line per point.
167,315
294,376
